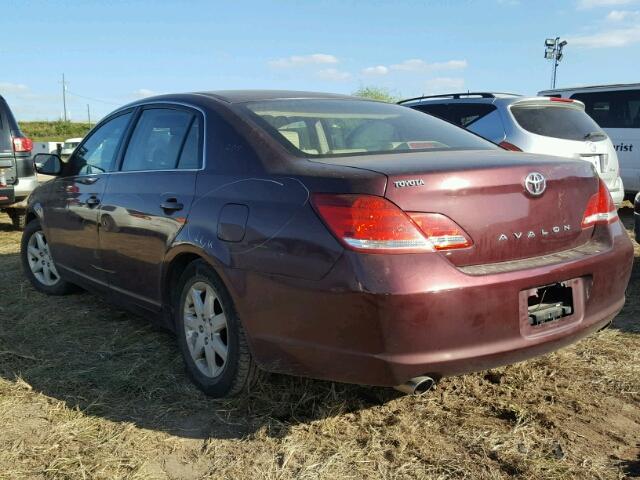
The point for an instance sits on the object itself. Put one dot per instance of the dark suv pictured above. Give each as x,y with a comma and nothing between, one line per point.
17,174
328,236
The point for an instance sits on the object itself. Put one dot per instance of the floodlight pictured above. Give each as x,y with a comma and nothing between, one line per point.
549,42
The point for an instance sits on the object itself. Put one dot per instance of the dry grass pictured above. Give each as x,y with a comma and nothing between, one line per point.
89,391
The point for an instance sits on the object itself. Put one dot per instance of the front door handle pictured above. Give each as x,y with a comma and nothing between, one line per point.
92,201
171,205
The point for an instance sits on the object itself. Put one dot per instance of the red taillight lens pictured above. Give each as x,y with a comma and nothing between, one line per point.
22,144
441,231
510,146
560,99
600,208
369,223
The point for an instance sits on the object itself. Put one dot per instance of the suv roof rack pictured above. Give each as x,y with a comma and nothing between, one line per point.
459,95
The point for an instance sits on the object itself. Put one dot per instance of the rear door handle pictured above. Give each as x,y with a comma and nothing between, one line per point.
172,205
92,201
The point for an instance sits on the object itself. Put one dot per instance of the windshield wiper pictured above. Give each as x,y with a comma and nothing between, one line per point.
591,135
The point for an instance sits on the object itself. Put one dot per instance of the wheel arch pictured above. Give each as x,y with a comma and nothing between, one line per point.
176,262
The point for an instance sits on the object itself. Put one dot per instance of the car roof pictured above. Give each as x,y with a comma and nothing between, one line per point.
621,86
487,97
242,96
504,99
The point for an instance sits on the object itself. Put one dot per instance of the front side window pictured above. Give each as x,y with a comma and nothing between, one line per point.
557,121
328,127
158,139
98,153
617,109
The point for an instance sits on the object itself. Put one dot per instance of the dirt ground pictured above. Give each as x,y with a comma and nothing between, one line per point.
90,391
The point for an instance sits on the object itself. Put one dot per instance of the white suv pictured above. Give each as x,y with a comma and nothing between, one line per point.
552,126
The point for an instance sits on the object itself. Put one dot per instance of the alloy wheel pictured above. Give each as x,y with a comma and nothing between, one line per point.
205,328
40,261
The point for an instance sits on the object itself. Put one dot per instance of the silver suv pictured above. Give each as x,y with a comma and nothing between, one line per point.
17,173
543,125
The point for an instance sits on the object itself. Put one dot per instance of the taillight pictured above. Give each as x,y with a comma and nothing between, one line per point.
22,144
560,99
369,223
600,208
441,231
510,146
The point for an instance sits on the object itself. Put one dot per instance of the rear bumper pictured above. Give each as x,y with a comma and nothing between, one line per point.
383,319
617,191
14,196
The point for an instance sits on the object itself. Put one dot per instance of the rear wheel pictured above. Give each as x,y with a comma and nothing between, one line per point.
210,335
37,263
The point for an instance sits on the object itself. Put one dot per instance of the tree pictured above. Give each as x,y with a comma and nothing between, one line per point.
376,93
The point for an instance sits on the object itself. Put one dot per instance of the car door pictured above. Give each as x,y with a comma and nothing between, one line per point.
147,201
71,214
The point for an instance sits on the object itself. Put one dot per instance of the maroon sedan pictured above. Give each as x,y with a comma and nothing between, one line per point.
327,236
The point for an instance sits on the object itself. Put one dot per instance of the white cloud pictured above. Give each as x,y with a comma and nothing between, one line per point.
418,65
584,4
143,92
620,37
621,15
8,88
377,70
443,85
298,60
333,74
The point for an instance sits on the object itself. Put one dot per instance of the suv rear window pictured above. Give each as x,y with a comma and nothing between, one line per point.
328,127
557,121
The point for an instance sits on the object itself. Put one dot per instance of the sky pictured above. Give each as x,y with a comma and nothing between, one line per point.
115,51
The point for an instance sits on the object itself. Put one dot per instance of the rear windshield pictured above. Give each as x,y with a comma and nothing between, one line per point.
568,123
327,127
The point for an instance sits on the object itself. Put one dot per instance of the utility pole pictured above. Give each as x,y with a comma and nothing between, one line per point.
89,115
553,51
64,97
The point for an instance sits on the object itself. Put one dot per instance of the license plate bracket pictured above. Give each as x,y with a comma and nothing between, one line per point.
551,307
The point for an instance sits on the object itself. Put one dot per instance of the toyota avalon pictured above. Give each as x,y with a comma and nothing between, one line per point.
327,236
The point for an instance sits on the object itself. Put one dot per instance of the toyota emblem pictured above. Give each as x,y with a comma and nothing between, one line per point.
535,183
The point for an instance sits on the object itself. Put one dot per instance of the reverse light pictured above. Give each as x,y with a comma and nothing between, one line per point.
600,208
510,146
441,231
22,144
368,223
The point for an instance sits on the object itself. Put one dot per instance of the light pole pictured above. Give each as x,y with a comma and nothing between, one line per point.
553,51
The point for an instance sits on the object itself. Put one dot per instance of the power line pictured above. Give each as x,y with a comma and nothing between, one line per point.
94,99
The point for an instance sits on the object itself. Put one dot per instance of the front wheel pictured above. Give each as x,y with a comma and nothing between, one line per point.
37,263
210,335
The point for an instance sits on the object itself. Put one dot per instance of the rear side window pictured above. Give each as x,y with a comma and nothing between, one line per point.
190,156
618,109
568,123
440,110
462,114
158,140
466,114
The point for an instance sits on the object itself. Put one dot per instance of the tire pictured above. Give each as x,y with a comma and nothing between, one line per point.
18,218
35,266
214,370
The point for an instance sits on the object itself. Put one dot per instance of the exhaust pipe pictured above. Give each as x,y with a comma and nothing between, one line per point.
417,385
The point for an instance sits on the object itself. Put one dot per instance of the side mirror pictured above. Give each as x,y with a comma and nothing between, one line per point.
48,163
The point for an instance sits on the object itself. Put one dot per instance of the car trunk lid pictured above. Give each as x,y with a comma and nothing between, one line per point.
484,193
